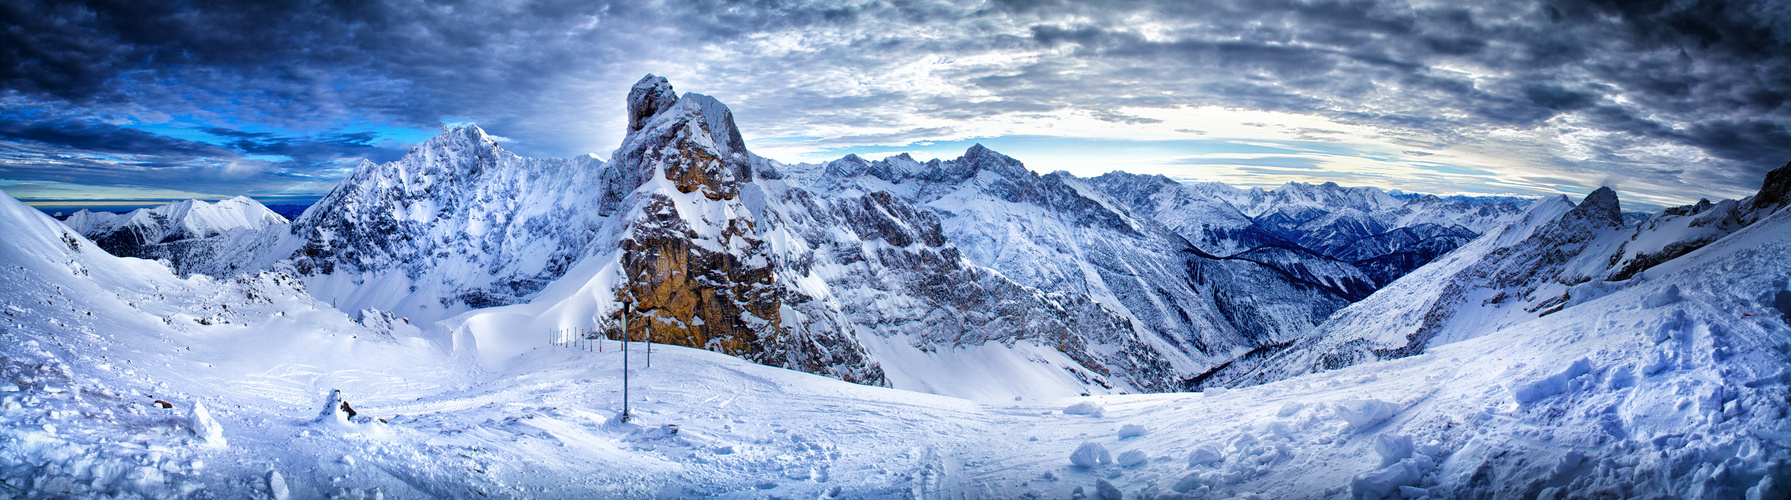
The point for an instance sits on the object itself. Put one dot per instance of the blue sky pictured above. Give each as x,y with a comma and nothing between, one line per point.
1667,101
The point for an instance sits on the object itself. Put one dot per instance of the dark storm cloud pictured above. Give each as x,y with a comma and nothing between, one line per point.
87,136
1604,86
318,149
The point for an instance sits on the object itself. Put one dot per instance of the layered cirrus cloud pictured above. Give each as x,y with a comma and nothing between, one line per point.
1668,101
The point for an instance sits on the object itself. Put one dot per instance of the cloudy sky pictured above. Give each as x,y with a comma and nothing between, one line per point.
131,102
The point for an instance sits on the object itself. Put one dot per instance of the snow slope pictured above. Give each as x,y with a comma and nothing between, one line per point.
1673,387
1555,257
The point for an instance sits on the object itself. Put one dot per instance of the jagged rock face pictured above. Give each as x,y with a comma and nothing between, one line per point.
1680,230
685,294
697,274
647,98
1775,191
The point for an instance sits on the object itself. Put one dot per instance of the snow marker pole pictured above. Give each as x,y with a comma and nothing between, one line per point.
625,362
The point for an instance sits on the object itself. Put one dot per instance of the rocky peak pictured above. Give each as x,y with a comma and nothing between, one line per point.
649,96
979,158
691,138
1775,190
1600,207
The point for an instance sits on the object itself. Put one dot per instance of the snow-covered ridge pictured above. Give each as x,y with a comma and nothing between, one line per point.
175,221
1556,256
186,233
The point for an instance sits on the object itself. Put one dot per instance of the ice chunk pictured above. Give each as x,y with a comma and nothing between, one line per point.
1131,458
1186,483
276,486
1386,482
1091,455
1534,390
1393,448
1362,413
1657,362
203,425
1130,430
1083,408
1205,454
1433,448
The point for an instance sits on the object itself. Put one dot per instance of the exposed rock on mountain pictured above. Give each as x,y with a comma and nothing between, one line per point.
711,247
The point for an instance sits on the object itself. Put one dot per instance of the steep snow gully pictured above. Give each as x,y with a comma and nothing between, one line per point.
1562,351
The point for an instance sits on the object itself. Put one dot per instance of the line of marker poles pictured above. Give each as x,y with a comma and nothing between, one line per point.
564,338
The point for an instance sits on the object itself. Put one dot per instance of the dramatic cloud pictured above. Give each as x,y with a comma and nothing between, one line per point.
1666,100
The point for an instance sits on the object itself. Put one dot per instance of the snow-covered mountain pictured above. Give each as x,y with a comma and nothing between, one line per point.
181,232
1060,234
892,273
1376,235
1209,222
714,247
119,378
1555,256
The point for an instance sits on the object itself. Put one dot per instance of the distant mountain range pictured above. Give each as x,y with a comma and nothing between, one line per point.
907,273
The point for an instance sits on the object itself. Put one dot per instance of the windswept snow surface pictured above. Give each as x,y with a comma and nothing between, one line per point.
1675,386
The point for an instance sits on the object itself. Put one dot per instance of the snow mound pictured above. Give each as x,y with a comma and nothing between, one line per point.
1131,431
1131,457
1364,413
1083,408
1531,390
1091,455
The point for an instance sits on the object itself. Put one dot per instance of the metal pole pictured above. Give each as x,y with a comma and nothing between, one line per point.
624,362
